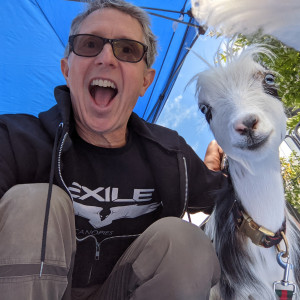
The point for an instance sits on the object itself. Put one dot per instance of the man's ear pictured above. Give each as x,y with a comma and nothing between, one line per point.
148,78
64,66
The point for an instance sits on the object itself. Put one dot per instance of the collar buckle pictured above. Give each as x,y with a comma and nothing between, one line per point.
256,233
259,235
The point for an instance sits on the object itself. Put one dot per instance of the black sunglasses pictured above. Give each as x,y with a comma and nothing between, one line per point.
90,45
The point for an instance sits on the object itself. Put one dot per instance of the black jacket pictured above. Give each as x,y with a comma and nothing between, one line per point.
27,146
32,151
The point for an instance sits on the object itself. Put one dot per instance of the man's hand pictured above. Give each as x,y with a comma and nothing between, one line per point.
213,156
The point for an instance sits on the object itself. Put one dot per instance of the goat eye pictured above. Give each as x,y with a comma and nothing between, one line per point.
206,110
270,86
270,79
203,108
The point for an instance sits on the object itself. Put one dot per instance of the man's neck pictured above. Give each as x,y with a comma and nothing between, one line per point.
104,140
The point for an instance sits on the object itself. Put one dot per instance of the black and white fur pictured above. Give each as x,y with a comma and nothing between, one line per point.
240,103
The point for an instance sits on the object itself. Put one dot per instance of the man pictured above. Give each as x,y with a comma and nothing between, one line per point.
124,180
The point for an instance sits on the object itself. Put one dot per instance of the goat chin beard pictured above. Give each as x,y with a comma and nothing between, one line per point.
243,163
248,159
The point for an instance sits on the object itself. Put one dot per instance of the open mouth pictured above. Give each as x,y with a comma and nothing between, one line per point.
103,91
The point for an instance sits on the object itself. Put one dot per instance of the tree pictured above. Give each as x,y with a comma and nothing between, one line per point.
290,170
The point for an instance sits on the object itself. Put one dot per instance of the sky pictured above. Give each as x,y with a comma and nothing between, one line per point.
181,111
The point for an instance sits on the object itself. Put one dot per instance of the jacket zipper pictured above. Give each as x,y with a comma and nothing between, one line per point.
59,163
98,245
186,188
97,252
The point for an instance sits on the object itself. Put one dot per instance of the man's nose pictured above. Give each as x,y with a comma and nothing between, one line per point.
106,56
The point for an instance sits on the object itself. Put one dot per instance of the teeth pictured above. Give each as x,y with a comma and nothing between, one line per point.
103,83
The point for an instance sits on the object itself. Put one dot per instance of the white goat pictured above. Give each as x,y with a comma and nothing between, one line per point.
247,118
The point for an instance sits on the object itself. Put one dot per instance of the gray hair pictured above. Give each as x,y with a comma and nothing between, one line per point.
125,7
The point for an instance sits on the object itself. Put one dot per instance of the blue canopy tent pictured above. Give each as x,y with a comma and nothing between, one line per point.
33,35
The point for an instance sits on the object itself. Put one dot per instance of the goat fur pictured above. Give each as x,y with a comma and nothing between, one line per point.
279,18
233,93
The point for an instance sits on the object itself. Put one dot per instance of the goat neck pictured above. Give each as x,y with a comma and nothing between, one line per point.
259,188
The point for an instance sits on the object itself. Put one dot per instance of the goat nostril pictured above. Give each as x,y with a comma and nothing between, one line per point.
247,125
241,128
251,122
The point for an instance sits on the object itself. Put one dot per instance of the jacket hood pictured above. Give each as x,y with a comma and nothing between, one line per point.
60,113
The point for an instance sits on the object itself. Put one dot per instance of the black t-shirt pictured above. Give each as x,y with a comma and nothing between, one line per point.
114,201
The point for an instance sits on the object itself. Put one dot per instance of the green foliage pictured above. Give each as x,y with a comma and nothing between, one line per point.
290,171
287,65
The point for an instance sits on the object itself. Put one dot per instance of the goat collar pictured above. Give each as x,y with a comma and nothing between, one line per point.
259,235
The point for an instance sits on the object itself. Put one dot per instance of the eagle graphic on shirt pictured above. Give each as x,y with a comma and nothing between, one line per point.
111,207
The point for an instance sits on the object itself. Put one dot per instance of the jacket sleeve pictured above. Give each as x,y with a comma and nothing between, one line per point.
8,169
25,151
204,185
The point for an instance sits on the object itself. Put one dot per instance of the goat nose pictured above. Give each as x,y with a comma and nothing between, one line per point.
246,125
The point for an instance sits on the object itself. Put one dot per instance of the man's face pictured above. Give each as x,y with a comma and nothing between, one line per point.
102,113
